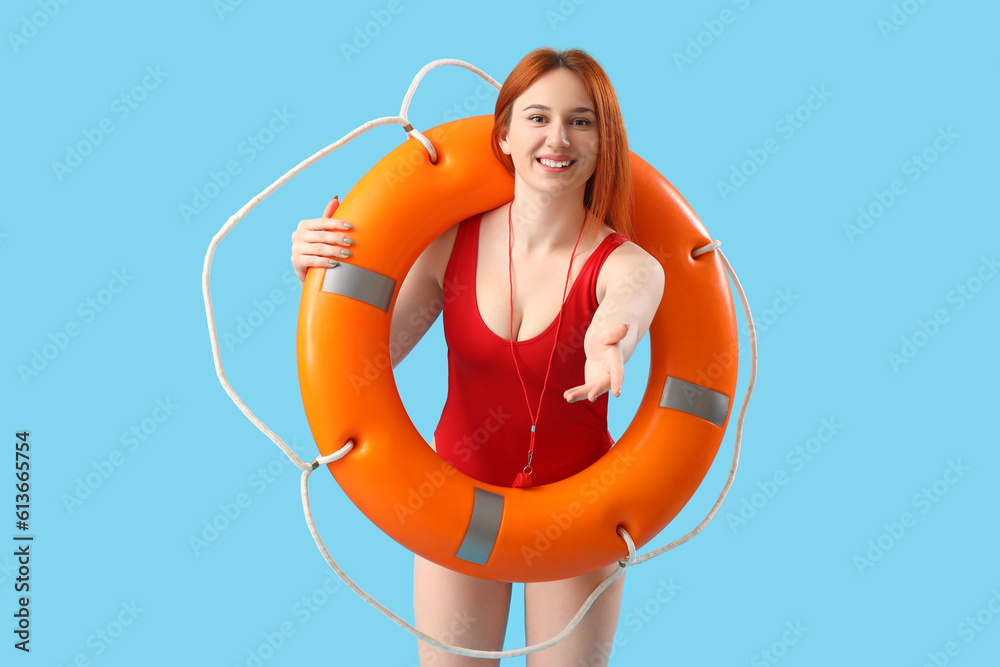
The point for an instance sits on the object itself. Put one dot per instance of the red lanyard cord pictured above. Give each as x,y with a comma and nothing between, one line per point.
524,477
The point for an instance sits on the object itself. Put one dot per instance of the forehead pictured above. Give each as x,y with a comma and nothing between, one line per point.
559,89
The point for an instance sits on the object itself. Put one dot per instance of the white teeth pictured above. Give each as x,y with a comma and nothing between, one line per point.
551,163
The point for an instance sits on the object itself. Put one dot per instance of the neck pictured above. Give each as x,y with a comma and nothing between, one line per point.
543,222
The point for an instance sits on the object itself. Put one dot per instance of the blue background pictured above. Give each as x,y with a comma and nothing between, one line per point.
832,306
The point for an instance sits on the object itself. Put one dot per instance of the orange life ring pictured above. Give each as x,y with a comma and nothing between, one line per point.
539,533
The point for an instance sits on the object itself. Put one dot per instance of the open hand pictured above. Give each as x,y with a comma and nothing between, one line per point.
605,366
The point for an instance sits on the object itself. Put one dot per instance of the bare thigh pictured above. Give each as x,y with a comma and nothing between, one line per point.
458,609
549,606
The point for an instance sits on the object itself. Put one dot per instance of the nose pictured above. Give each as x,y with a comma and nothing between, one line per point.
557,135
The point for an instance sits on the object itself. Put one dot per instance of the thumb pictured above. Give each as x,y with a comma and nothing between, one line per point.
616,333
332,207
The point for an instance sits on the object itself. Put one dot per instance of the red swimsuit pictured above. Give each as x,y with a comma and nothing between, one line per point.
485,427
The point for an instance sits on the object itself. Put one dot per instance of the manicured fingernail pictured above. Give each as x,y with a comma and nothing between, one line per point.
348,225
335,197
344,252
334,263
348,240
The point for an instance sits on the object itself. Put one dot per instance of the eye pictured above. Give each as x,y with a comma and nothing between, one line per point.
539,117
581,122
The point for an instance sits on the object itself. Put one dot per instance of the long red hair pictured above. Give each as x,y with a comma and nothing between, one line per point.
608,193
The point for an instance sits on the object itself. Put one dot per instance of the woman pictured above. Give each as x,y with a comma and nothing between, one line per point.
543,271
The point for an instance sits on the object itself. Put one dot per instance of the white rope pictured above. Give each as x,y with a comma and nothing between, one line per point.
228,227
460,650
405,107
307,468
438,63
714,245
402,120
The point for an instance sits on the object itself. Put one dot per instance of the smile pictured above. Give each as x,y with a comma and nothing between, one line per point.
555,164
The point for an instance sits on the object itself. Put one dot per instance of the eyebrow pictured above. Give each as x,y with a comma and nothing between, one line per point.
545,108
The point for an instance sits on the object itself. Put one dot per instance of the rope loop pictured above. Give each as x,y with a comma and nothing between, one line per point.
631,547
706,248
416,134
330,458
405,107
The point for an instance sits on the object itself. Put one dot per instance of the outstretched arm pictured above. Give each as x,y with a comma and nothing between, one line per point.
632,284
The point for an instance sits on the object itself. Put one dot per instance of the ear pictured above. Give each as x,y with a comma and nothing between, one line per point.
503,144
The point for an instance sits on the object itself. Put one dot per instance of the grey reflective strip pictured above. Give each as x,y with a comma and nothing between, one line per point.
484,526
695,399
361,284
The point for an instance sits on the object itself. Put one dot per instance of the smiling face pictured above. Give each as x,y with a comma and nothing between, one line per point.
553,138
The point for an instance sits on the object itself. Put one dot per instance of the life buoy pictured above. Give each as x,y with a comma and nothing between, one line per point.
539,533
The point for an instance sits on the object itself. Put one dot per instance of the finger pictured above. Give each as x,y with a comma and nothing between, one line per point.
339,237
332,206
590,391
303,264
598,390
327,250
320,262
612,335
323,224
321,250
322,230
617,377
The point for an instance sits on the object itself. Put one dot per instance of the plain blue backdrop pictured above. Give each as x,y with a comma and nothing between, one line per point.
867,242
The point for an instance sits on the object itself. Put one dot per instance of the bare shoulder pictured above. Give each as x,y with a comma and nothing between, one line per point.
629,264
434,259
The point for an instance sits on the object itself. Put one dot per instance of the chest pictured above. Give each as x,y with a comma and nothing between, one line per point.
539,284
